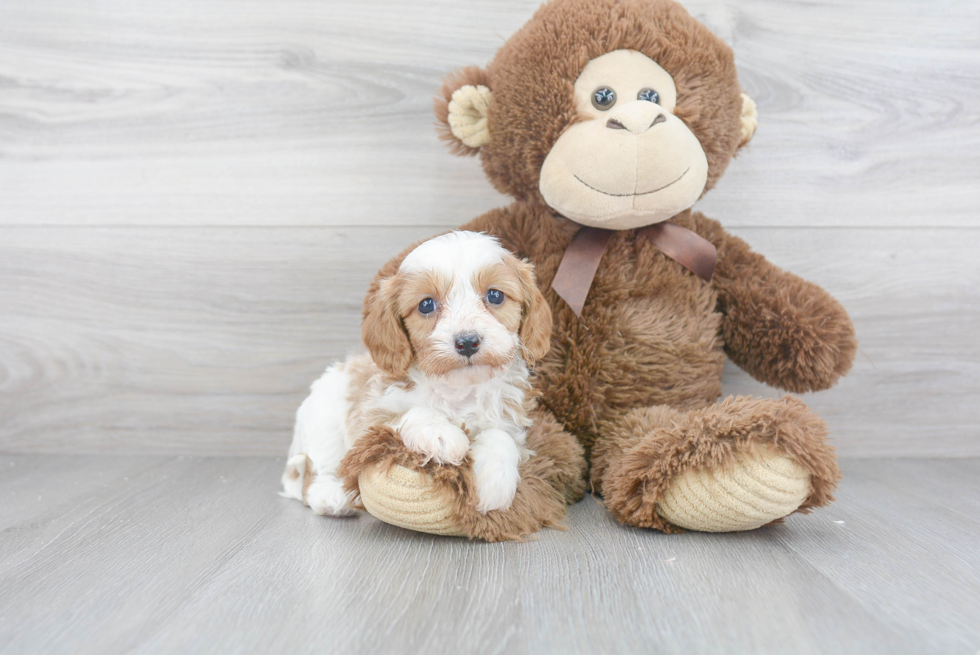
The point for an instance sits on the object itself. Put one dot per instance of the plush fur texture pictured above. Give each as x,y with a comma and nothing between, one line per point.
652,323
637,377
538,66
641,454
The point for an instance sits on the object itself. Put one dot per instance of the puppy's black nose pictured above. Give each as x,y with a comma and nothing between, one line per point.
467,344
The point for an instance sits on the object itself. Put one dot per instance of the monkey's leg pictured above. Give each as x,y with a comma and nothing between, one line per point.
397,486
737,465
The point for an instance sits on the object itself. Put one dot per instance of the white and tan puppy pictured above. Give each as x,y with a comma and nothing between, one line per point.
450,336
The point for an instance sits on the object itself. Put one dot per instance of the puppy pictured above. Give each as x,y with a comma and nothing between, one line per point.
451,336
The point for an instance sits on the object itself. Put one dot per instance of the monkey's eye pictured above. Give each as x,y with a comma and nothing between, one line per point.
427,306
495,297
603,98
649,95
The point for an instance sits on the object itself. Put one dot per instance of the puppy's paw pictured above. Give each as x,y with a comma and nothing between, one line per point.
495,461
326,496
294,477
429,433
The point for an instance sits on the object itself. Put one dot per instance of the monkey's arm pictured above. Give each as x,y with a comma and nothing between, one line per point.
781,329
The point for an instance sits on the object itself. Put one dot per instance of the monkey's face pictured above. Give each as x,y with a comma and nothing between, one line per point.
628,161
614,113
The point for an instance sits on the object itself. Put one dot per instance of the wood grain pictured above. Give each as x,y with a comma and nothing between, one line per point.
194,340
319,113
193,197
199,555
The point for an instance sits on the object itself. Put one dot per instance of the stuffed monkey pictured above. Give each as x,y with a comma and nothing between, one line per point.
606,120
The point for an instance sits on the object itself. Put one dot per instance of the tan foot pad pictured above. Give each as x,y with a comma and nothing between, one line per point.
408,499
748,495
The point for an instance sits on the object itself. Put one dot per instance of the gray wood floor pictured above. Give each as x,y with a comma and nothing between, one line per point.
151,554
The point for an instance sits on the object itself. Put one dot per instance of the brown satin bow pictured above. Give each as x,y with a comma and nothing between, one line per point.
581,259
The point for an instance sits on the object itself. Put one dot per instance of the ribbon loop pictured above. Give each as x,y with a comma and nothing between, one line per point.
581,260
687,248
579,265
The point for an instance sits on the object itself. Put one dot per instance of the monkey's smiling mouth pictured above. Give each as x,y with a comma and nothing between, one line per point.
626,195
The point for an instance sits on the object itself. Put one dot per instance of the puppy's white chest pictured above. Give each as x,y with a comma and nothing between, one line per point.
471,421
494,404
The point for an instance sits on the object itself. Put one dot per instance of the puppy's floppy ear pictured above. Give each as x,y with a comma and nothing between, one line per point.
382,329
462,107
535,330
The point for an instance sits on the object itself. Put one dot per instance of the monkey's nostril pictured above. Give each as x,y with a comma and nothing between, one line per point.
659,119
467,344
613,124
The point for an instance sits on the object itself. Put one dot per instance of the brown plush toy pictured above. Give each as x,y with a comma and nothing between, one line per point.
607,120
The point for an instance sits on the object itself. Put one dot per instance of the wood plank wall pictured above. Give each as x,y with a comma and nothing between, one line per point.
193,197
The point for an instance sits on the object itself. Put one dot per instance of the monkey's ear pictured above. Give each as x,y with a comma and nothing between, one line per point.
461,109
750,120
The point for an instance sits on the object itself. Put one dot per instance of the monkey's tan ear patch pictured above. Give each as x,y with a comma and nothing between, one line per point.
750,120
468,115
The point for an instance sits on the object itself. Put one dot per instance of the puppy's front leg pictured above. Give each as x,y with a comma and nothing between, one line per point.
428,432
495,461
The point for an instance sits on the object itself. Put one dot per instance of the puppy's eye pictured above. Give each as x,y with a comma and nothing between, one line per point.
603,98
649,95
495,297
427,306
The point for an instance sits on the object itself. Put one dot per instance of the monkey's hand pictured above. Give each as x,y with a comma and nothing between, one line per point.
785,331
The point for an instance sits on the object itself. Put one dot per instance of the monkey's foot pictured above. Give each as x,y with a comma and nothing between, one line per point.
410,499
753,491
737,465
403,488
